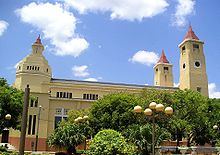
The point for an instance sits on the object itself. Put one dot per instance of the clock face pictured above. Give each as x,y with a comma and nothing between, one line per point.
197,64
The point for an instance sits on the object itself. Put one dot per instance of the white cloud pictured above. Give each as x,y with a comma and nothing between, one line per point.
213,92
121,9
176,84
57,24
91,79
183,9
3,26
80,71
145,57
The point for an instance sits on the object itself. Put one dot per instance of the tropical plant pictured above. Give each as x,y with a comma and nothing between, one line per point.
141,136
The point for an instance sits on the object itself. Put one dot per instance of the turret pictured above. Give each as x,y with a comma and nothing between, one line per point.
33,69
163,74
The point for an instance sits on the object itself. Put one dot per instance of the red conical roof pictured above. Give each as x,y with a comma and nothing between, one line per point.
38,41
190,34
163,58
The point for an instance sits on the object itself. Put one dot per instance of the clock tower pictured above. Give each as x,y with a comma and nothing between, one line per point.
192,64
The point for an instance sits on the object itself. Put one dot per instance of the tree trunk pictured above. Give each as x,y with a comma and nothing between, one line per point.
71,150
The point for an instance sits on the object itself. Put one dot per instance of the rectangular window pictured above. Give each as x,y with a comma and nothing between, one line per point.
196,46
27,67
70,95
34,125
93,96
57,94
57,120
29,124
60,114
96,96
166,68
61,94
90,96
84,96
32,103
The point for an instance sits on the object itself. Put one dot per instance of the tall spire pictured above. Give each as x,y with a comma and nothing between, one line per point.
190,34
163,58
38,41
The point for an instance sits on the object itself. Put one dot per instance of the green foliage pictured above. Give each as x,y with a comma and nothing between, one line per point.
190,116
141,136
113,111
3,149
11,101
156,95
214,115
110,142
67,135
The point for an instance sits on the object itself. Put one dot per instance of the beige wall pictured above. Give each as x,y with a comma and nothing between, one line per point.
163,77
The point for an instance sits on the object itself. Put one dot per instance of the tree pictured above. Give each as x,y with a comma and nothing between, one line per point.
110,142
213,114
190,117
11,101
67,135
113,111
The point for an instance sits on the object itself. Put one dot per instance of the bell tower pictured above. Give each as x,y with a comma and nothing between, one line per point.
163,74
192,64
33,69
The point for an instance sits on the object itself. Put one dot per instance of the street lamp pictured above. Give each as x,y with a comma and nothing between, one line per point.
38,124
151,111
8,117
215,127
5,133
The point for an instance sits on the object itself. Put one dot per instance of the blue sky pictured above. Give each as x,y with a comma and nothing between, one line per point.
109,40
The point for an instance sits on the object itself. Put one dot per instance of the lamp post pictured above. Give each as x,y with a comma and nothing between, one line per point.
151,111
216,128
82,120
38,123
5,133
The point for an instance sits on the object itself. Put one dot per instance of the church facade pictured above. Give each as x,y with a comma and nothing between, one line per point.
53,98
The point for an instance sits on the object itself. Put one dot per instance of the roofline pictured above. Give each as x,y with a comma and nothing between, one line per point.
110,83
194,40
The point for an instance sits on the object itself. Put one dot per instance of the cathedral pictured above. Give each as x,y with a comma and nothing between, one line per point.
53,97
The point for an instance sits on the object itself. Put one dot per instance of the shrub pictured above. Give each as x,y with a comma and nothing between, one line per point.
110,142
